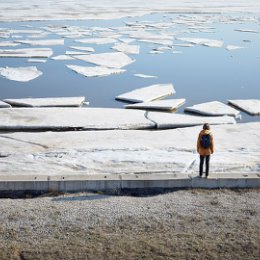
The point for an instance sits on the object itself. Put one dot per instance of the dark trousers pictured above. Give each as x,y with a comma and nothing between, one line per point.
202,159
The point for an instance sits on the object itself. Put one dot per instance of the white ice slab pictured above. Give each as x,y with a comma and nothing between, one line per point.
149,93
82,48
42,42
251,106
145,76
26,53
110,59
62,57
4,105
97,40
47,102
172,120
183,45
214,108
168,104
126,40
234,47
246,30
75,53
126,48
36,60
94,71
22,74
8,44
203,41
160,42
64,118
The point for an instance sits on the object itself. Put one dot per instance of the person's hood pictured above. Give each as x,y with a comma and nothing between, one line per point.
205,132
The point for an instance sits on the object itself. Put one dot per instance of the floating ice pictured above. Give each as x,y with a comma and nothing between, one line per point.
130,49
168,104
37,60
95,71
22,74
233,47
246,30
8,44
82,48
251,106
62,57
47,102
126,40
183,44
4,105
26,53
172,120
149,93
75,53
214,108
203,41
42,42
66,118
145,76
110,59
97,40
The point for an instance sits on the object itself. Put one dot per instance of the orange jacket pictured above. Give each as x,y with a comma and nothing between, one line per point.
205,151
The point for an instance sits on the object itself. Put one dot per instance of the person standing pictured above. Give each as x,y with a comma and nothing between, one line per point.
205,147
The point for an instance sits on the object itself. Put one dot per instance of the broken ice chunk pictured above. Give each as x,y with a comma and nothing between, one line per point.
110,59
62,57
130,49
26,53
82,48
246,30
149,93
145,76
203,41
251,106
22,74
42,42
168,104
4,105
47,102
8,44
36,60
233,47
94,71
214,108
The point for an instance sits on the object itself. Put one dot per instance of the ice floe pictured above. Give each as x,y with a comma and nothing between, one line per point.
168,104
109,59
82,48
233,47
95,71
97,40
47,102
4,104
62,57
149,93
172,120
251,106
126,48
213,108
145,76
42,42
66,118
203,41
26,53
36,60
8,44
22,74
75,53
246,30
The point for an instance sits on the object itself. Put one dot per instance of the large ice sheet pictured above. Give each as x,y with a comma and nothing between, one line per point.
251,106
26,53
168,104
213,108
8,44
126,48
109,59
237,150
94,71
83,48
147,94
22,74
203,41
172,120
66,118
47,102
4,105
42,42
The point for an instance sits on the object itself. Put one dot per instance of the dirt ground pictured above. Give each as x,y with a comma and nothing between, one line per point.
186,224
